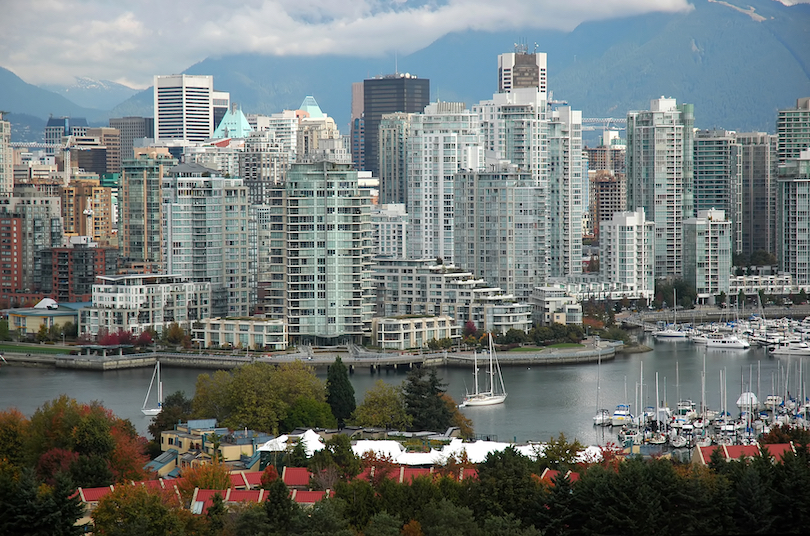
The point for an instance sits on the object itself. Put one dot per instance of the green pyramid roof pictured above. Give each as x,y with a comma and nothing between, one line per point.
233,125
310,105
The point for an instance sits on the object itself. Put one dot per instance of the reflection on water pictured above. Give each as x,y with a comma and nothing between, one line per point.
542,401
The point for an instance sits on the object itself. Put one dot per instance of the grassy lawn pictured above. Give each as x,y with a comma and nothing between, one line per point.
540,348
31,349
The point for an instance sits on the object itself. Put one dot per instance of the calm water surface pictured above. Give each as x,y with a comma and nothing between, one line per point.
542,402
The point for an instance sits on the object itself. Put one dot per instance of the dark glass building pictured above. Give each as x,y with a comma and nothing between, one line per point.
400,92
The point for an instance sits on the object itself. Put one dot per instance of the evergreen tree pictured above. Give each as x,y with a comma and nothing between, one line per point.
339,392
444,518
279,507
216,515
360,500
28,507
422,391
383,524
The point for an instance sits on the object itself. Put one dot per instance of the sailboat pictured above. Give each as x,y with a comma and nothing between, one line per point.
603,416
672,332
151,412
496,393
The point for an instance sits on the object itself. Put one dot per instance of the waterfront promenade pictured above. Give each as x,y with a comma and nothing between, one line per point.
353,357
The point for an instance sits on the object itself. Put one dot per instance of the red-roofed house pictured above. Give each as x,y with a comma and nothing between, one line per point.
407,474
238,480
735,452
246,495
296,477
467,473
704,454
254,480
202,499
778,450
93,495
549,475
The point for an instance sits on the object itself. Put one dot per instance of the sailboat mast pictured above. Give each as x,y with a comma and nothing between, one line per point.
475,369
491,369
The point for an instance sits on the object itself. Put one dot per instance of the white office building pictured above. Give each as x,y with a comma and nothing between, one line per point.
566,195
324,260
137,302
284,127
389,225
443,140
184,106
422,287
6,157
209,229
660,175
248,333
793,223
627,253
497,234
520,69
707,253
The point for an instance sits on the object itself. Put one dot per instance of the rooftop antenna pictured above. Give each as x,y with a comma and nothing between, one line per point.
396,62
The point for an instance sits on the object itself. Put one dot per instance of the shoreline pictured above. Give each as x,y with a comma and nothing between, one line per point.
591,353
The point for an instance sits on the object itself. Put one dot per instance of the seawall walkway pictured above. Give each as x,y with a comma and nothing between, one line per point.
355,358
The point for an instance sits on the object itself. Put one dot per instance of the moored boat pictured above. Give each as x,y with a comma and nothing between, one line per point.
622,416
602,418
791,348
495,393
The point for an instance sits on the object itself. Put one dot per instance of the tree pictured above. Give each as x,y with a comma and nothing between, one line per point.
30,507
445,518
137,510
269,475
422,392
216,514
279,507
337,453
144,339
383,406
559,454
325,518
176,408
257,395
339,392
108,448
13,432
213,475
70,330
5,334
42,334
505,486
383,524
457,418
308,413
469,329
174,334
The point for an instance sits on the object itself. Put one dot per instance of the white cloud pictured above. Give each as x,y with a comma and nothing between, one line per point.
129,42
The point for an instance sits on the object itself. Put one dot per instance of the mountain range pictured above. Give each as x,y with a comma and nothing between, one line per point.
738,63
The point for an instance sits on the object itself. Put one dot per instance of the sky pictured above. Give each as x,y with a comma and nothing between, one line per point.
51,41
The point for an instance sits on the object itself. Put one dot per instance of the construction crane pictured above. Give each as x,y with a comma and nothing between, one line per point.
603,122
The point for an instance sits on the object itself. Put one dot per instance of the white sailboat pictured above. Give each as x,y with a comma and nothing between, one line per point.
672,332
151,412
494,392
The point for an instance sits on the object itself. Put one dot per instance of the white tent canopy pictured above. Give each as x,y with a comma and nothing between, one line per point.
476,452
